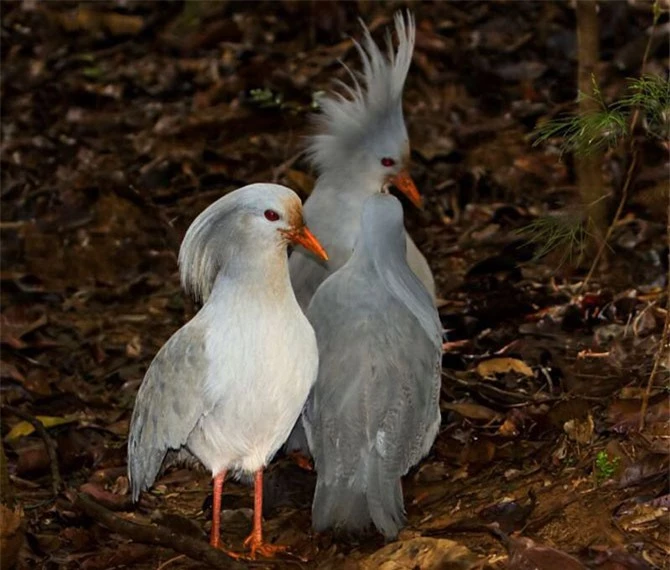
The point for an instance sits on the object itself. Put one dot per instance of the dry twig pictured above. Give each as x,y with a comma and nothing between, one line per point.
56,481
153,534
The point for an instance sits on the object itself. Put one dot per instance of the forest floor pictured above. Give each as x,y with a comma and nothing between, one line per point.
122,121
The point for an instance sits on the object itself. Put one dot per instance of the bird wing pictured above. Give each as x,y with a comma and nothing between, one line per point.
378,385
417,262
170,401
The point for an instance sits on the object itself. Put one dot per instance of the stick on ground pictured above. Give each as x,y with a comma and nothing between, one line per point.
198,550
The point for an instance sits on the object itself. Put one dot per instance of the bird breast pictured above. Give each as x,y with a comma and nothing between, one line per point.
262,362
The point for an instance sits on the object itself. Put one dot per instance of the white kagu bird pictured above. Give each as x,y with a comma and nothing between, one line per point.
361,147
229,385
374,410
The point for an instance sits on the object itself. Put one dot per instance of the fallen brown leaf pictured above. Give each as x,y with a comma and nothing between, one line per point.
421,553
489,368
472,411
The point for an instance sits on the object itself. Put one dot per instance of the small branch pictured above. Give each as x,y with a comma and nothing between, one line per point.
198,550
56,481
631,168
617,215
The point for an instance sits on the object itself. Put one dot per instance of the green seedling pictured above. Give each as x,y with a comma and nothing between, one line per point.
605,466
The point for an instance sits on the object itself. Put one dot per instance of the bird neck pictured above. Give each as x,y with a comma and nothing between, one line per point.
385,257
264,275
350,183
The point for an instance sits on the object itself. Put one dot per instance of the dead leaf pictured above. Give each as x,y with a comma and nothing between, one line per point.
650,466
420,553
15,323
38,381
489,368
508,428
121,556
106,498
24,428
33,458
639,517
580,429
624,415
472,411
88,19
615,558
134,347
8,370
525,554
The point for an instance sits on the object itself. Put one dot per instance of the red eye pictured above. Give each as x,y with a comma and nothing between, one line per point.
271,215
388,162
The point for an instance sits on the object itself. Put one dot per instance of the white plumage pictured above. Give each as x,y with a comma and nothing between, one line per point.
229,385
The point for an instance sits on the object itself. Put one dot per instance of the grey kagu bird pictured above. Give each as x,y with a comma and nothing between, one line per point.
374,410
229,385
361,147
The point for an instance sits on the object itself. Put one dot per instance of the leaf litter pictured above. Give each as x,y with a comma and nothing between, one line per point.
123,120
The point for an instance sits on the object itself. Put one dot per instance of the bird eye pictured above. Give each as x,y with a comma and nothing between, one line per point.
388,162
271,215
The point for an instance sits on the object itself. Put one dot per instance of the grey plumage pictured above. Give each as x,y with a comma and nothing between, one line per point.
354,134
374,410
182,357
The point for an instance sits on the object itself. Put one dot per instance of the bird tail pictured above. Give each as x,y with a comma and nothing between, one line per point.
353,508
339,507
385,500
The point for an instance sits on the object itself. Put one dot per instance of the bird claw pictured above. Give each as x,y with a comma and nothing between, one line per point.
231,553
258,547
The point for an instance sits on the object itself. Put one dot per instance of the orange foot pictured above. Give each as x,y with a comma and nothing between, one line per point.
257,546
234,555
301,461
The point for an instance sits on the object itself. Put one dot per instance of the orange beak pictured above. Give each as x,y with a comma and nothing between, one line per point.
403,182
306,239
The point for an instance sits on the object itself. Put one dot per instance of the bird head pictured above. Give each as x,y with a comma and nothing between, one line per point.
229,232
363,127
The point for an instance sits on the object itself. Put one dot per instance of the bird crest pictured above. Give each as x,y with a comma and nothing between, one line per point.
373,102
205,245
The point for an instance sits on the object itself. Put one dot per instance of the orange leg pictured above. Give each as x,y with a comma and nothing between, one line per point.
217,482
255,540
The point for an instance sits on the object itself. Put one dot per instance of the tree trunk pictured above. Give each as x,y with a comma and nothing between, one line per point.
589,167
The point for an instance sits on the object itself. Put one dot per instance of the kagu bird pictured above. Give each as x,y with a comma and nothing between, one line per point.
374,410
229,385
361,147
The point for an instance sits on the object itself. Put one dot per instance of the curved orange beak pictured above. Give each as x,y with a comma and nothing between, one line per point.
403,182
306,239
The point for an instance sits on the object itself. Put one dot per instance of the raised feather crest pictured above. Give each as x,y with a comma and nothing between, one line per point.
372,102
